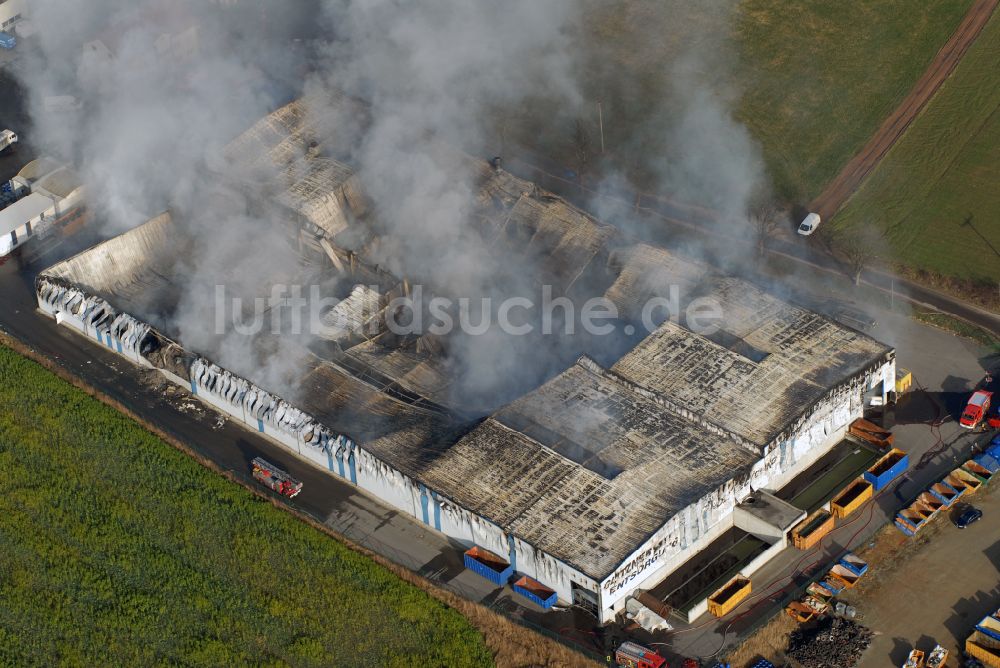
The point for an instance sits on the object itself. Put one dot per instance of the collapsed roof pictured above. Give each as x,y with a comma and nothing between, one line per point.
585,469
587,466
760,366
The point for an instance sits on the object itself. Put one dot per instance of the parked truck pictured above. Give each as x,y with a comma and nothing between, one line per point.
634,655
274,478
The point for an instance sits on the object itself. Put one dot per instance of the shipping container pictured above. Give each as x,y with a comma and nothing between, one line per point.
983,474
722,602
854,563
933,502
959,485
987,462
938,657
904,526
819,591
871,433
846,575
819,604
912,519
832,584
971,482
904,379
851,498
993,449
800,612
812,529
946,493
533,590
981,646
990,626
887,469
489,565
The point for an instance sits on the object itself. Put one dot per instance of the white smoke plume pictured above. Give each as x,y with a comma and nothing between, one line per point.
179,79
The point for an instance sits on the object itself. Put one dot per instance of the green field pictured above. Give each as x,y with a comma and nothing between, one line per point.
118,550
936,196
819,77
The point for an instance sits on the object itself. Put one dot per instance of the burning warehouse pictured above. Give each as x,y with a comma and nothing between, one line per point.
607,476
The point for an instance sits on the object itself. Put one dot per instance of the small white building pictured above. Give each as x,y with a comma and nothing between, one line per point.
12,11
50,191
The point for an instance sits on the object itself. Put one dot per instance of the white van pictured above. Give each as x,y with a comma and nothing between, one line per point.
7,138
809,224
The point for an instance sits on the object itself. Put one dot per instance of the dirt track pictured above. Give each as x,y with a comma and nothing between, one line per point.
844,185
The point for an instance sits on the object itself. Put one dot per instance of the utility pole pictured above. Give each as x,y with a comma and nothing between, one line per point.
600,122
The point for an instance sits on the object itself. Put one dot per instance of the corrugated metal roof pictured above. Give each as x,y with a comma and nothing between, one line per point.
766,364
61,183
585,469
23,210
38,168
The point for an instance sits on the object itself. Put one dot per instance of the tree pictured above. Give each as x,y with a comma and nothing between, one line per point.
763,218
858,251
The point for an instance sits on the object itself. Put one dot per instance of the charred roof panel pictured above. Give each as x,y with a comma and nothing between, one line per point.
778,360
536,467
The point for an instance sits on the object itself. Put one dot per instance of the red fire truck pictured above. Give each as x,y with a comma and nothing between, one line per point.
271,476
634,655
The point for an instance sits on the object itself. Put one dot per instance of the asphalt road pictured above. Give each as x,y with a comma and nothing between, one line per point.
668,223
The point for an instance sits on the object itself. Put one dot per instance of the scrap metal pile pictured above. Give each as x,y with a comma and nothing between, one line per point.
832,643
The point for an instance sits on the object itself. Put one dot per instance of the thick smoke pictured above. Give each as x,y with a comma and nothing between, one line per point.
181,79
162,87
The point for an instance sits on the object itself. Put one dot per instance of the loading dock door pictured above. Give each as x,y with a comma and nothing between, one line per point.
584,598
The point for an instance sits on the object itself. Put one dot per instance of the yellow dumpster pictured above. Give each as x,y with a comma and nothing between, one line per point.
722,602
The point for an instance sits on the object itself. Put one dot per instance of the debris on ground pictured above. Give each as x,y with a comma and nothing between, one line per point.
832,643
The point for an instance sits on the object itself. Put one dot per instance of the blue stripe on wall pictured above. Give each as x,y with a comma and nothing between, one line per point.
437,511
119,345
194,388
423,505
98,335
260,425
511,552
354,471
329,459
340,465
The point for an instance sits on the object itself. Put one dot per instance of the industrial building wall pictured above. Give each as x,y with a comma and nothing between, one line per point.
694,528
12,11
354,464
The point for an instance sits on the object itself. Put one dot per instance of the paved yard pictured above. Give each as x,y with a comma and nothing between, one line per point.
942,584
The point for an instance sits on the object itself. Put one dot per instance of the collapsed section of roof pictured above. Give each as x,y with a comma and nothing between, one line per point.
586,469
324,192
753,372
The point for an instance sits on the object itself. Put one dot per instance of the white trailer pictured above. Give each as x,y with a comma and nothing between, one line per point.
7,138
